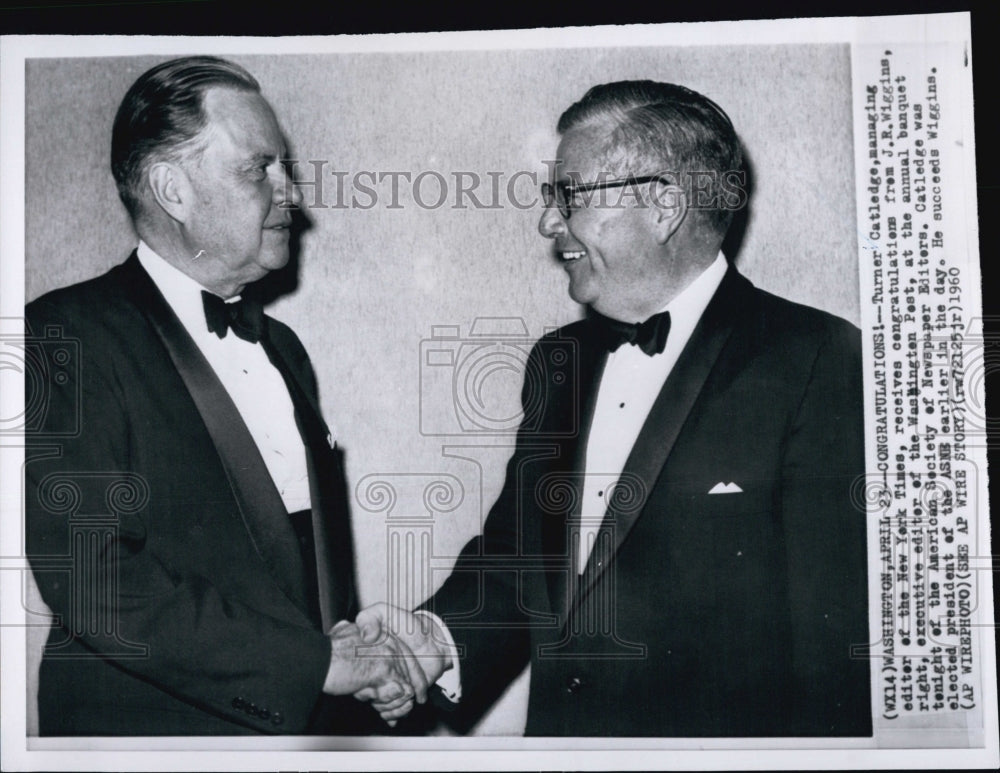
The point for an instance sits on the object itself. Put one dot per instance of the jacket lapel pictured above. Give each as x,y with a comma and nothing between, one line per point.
333,539
328,492
559,533
665,420
259,503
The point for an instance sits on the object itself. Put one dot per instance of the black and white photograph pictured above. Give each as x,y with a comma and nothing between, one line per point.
585,398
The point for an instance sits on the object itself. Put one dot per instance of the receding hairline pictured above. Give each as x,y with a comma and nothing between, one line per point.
602,126
191,150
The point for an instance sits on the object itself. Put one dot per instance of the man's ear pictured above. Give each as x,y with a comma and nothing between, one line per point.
171,189
669,207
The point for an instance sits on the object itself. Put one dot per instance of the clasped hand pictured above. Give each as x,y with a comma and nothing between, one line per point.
388,657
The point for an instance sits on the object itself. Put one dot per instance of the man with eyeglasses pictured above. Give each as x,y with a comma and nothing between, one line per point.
675,550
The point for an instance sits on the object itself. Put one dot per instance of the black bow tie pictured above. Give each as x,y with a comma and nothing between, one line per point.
245,317
650,336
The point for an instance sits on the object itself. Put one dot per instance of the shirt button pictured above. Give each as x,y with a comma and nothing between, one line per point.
277,718
573,684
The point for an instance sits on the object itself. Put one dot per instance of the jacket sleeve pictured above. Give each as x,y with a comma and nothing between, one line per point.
165,623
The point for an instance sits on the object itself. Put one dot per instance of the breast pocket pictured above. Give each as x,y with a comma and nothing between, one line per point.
737,533
753,499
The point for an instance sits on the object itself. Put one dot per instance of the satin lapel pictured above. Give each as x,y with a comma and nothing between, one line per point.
558,532
260,505
334,541
327,488
667,416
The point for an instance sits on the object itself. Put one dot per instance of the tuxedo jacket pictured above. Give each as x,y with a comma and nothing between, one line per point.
726,594
158,538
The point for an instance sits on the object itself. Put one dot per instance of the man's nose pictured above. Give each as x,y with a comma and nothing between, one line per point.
551,223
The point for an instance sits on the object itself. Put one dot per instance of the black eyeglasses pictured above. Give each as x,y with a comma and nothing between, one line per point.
561,193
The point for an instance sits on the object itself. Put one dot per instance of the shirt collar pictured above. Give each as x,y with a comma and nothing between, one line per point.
686,309
693,299
182,293
690,303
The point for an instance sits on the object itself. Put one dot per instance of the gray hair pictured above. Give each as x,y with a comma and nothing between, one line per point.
685,135
162,115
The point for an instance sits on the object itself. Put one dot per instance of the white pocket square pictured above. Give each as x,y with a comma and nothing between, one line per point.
725,488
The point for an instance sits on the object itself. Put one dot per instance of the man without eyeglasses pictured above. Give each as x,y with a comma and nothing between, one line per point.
212,599
705,575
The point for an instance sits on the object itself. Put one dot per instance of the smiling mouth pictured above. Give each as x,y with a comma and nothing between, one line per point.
568,256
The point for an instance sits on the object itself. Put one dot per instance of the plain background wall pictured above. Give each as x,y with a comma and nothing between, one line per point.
372,283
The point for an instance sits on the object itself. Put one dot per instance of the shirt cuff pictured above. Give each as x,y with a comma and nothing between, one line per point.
450,681
329,684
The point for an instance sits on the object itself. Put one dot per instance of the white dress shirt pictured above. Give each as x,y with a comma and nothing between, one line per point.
629,386
253,383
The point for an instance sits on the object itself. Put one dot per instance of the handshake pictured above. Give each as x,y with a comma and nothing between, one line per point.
387,657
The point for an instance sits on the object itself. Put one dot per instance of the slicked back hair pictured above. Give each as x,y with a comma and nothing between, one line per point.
162,115
663,128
